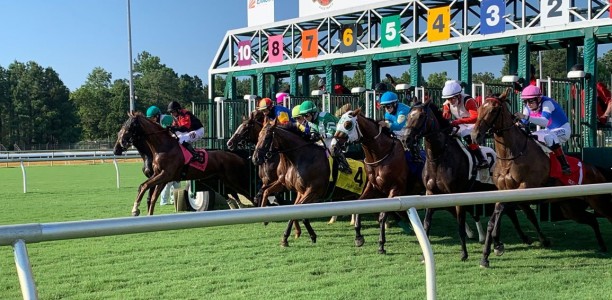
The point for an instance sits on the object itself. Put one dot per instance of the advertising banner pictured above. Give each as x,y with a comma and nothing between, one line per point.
313,7
260,12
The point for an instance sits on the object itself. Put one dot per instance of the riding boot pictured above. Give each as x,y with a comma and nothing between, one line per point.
416,153
558,151
481,161
196,155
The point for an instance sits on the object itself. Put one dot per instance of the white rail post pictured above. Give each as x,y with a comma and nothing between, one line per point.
116,170
430,264
24,270
370,97
25,180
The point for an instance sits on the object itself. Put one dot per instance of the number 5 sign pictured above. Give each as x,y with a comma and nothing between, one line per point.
438,24
390,35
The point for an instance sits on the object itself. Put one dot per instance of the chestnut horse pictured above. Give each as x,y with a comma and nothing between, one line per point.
168,161
448,170
303,167
388,173
522,164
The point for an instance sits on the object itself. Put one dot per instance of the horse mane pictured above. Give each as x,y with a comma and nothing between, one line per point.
444,123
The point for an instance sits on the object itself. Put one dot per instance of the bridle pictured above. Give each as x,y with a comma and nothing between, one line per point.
496,132
268,147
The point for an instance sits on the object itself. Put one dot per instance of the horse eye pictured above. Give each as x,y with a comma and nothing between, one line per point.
348,125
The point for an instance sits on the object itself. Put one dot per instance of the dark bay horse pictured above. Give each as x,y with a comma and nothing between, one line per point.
303,167
168,161
522,164
448,170
388,174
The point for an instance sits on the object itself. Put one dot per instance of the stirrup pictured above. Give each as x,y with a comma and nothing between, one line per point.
482,164
566,171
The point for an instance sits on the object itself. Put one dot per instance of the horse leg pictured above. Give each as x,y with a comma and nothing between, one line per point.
157,190
332,220
531,216
584,217
382,219
284,242
296,224
367,193
427,220
311,232
511,213
461,228
491,228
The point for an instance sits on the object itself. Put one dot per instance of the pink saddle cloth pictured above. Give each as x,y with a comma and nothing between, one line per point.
196,164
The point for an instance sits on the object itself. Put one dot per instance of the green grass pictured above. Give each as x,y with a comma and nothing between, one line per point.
246,261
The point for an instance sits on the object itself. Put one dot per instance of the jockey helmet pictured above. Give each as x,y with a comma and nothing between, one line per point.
321,82
166,121
380,87
295,112
308,107
451,89
153,111
174,106
265,103
388,98
531,91
280,97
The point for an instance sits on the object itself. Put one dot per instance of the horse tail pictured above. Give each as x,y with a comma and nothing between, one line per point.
332,184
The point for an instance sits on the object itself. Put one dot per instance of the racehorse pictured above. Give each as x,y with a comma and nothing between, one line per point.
388,174
449,169
522,164
169,161
303,167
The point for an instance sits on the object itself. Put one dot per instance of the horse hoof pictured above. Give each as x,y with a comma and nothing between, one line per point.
297,235
464,257
265,223
359,241
499,250
545,243
136,213
528,241
284,244
484,263
313,239
382,251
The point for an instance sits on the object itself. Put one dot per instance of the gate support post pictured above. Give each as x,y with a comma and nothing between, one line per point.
590,67
24,270
430,264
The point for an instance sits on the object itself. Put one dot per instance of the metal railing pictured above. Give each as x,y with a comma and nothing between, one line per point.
19,235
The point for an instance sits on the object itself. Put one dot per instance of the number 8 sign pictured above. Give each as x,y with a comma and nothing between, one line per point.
275,48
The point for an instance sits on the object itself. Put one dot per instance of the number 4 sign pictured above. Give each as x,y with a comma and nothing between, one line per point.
438,24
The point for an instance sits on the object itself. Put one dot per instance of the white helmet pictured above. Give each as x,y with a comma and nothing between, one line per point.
451,88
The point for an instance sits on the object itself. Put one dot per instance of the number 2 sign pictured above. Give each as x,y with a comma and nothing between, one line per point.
438,24
554,12
310,43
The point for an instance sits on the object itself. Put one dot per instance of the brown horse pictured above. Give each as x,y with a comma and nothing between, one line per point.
169,163
522,164
448,170
388,173
303,167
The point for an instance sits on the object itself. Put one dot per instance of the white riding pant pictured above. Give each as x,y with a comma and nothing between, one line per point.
465,130
191,136
554,136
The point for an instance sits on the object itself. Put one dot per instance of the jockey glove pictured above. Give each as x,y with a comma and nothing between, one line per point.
315,136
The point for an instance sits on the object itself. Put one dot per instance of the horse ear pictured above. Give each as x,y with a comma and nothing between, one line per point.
357,111
504,96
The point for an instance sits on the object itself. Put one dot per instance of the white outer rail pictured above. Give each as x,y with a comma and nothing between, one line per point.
19,235
64,156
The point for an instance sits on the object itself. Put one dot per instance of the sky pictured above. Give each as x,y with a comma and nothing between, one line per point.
75,36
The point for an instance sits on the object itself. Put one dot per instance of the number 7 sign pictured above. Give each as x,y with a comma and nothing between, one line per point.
310,43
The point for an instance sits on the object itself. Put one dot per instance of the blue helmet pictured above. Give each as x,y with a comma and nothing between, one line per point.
388,98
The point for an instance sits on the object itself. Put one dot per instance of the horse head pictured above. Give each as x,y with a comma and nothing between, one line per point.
346,132
125,137
264,142
247,132
493,116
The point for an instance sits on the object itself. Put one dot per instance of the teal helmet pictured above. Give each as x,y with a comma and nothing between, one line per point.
166,121
388,98
153,111
308,107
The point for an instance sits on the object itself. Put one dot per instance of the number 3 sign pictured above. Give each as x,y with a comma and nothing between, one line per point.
492,16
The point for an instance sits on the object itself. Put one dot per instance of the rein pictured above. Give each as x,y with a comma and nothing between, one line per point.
499,132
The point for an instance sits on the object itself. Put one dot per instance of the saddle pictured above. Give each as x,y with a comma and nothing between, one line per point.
193,163
575,178
481,175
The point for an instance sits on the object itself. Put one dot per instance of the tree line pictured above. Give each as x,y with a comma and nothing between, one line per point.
36,108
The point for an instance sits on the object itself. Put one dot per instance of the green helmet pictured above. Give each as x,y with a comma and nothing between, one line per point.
166,121
153,111
308,107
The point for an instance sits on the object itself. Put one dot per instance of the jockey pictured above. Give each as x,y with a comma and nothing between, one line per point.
464,109
318,123
267,107
547,113
154,114
280,98
299,119
187,128
396,114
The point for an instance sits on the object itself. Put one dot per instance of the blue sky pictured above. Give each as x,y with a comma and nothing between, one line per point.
75,36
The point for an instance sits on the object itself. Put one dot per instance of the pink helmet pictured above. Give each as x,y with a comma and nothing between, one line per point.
530,92
280,97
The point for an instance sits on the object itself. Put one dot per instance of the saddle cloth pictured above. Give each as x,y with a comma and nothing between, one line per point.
482,175
187,155
575,178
